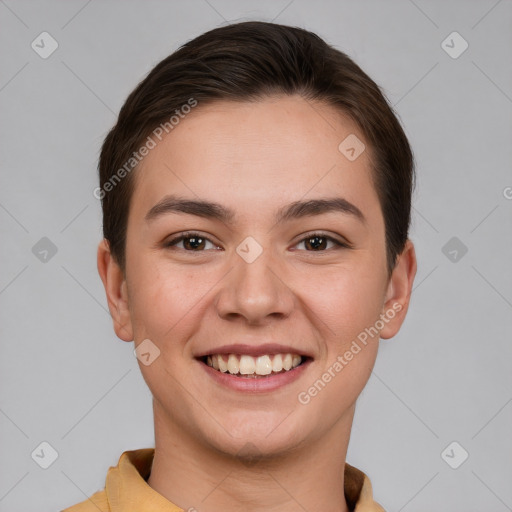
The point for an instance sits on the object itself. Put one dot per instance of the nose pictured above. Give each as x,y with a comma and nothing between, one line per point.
255,292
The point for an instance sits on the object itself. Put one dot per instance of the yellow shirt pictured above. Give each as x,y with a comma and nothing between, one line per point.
126,489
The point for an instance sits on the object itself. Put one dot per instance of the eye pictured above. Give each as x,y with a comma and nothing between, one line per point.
192,242
195,242
318,242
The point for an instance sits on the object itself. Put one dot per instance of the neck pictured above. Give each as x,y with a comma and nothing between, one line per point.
193,476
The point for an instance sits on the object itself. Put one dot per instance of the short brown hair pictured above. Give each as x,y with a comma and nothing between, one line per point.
246,62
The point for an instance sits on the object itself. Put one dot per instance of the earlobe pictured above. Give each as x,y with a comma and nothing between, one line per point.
398,292
115,288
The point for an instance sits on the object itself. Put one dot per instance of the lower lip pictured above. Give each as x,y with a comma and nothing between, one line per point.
262,384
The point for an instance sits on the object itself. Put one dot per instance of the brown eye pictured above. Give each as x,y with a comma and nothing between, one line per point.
317,242
191,242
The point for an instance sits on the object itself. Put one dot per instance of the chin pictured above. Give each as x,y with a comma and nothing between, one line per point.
257,435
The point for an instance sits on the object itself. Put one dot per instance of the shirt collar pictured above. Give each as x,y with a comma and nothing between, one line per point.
127,489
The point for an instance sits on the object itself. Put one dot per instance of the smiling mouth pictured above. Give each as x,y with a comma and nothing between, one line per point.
246,366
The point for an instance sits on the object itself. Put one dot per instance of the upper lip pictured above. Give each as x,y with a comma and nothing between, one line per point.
254,350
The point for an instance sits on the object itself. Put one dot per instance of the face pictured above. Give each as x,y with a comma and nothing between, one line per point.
253,245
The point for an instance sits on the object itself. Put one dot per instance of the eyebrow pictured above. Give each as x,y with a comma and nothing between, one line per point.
211,210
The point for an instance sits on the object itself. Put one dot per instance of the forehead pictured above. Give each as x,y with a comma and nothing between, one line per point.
275,150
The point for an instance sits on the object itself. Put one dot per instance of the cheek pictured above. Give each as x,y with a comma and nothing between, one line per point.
347,302
164,299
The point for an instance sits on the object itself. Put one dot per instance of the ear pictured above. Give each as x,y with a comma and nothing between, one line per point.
398,293
115,288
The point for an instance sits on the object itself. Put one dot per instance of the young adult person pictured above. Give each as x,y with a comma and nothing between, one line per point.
256,195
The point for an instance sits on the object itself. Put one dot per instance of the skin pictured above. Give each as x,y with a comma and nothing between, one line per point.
255,158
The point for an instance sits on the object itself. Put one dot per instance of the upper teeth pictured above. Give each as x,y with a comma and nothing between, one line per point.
248,365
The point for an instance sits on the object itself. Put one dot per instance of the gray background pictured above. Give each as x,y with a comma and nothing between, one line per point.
67,380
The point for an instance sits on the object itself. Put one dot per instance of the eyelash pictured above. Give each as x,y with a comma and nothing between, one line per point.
192,234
